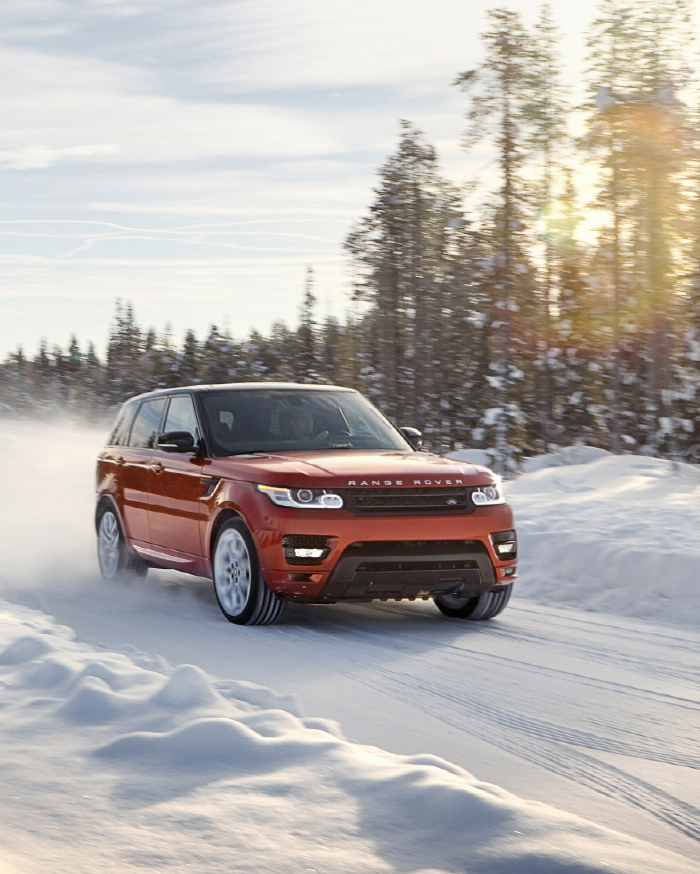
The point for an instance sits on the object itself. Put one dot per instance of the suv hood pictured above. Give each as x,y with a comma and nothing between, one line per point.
351,469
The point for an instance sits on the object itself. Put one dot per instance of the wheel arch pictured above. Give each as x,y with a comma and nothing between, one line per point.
220,519
107,501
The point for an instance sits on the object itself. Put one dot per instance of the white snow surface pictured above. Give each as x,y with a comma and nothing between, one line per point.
111,766
619,534
138,730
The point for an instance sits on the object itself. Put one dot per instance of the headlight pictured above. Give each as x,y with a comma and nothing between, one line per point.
484,496
309,499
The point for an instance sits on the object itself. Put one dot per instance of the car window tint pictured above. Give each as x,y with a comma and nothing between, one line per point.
120,434
279,420
146,424
181,416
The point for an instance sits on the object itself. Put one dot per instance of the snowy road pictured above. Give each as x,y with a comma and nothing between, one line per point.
594,714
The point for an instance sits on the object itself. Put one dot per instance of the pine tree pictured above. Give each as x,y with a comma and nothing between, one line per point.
546,112
400,253
124,376
189,360
307,364
221,358
16,385
578,335
500,103
331,348
641,137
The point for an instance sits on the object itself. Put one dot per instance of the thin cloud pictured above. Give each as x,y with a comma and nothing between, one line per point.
40,157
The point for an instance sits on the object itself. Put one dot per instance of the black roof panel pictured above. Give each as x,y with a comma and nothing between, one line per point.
240,386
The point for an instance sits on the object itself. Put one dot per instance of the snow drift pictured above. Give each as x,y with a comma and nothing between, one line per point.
619,534
112,765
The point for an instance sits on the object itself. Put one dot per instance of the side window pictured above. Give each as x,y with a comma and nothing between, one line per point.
146,424
181,416
120,434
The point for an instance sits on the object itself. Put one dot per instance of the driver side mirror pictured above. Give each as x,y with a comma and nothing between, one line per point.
175,441
413,435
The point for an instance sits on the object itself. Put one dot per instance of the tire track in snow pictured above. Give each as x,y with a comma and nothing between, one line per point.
598,650
406,643
636,744
539,742
606,735
628,742
524,740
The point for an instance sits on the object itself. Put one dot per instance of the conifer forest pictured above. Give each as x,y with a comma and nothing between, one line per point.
553,300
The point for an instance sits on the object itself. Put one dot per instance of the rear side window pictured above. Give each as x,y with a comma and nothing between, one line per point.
181,416
147,424
120,434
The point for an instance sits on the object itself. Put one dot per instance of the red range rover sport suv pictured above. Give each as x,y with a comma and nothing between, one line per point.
281,492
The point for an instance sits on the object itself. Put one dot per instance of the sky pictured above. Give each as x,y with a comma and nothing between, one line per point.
193,157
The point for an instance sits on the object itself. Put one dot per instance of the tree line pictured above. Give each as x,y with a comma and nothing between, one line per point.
558,302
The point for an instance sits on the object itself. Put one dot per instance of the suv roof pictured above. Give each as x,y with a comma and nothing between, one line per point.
242,386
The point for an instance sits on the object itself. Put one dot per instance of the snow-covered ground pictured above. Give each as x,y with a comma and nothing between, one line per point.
139,730
619,534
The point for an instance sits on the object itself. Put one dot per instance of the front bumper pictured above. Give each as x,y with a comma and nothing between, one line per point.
396,570
383,557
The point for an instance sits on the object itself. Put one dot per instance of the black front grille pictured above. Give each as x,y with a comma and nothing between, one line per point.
420,500
304,541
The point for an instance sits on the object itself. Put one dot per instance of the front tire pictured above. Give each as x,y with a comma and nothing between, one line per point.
115,560
241,592
479,607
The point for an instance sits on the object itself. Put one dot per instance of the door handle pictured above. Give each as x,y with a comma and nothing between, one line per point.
156,467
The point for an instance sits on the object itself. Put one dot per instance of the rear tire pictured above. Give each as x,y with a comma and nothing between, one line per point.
479,607
116,561
241,592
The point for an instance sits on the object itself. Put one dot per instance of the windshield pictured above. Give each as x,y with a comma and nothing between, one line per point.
286,420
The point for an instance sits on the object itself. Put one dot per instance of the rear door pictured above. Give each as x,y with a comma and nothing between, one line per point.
177,513
136,468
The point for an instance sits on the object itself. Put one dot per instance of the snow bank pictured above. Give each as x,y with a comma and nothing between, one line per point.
483,457
110,766
618,534
565,456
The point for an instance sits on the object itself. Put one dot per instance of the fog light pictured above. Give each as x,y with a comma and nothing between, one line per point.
305,548
505,544
309,553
